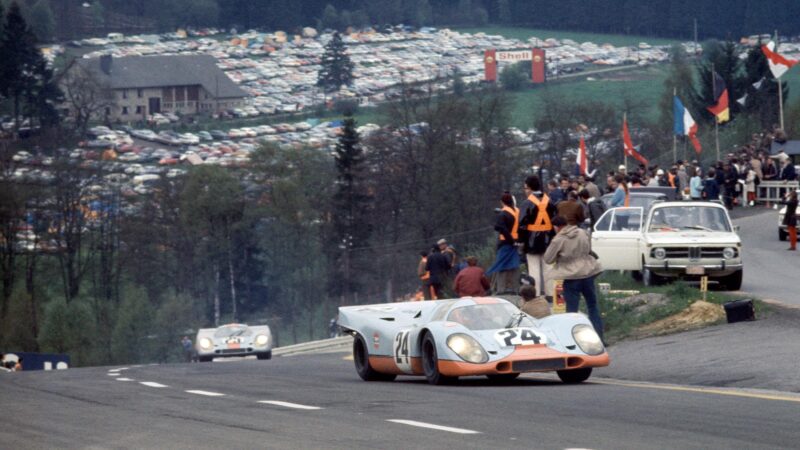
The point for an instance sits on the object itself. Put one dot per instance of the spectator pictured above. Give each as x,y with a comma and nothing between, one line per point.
450,253
506,263
594,207
750,183
536,229
471,280
790,219
571,210
621,197
533,305
438,267
787,172
424,275
188,351
554,192
570,251
18,365
594,191
710,186
770,171
696,184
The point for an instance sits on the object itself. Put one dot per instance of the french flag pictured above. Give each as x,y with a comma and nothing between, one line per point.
778,63
685,124
582,162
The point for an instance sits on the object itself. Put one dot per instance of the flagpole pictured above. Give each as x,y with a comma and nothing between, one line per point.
716,119
625,150
780,86
674,136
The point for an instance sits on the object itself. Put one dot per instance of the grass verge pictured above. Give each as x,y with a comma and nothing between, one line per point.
621,321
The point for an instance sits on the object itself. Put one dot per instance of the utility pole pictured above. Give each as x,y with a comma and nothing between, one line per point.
674,136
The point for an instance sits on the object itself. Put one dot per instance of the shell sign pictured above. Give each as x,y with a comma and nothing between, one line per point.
492,57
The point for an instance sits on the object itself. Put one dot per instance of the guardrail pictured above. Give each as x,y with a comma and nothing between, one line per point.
774,191
343,343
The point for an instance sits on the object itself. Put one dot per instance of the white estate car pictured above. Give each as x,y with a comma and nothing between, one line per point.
675,240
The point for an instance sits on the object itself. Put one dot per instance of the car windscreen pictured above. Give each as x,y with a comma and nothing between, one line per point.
233,330
486,317
682,218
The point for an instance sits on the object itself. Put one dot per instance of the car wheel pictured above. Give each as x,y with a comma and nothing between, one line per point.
205,358
503,377
363,368
732,282
575,375
267,355
649,278
430,362
782,235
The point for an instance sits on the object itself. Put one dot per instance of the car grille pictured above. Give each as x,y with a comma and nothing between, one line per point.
226,351
693,253
538,364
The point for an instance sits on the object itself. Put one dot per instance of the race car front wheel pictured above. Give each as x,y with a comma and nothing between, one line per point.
430,362
361,359
574,375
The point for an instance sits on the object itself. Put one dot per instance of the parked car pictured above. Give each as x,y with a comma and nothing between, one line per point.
673,240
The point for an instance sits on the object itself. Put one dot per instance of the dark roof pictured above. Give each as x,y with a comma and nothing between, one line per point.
132,72
790,147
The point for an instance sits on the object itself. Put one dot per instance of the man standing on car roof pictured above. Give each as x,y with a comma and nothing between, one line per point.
536,229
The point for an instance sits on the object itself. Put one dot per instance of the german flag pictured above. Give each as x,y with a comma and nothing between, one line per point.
720,110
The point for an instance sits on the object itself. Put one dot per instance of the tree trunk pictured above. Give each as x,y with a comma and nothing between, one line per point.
232,282
30,271
216,295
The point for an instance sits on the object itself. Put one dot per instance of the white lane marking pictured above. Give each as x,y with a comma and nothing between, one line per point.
113,374
414,423
118,369
124,379
206,393
152,384
288,405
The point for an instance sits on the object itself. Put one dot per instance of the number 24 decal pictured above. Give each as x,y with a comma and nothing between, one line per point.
518,336
401,353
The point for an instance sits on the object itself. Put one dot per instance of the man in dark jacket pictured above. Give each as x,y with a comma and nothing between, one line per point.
536,230
594,207
438,267
710,186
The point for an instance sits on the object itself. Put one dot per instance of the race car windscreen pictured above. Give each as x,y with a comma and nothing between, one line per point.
486,317
233,330
681,218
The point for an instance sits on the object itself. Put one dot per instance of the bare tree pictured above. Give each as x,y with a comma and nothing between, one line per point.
85,95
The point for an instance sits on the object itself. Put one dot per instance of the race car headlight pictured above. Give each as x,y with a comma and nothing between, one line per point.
467,348
262,340
587,339
659,253
729,253
205,343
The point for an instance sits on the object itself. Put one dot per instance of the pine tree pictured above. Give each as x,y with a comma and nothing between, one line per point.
20,58
43,23
503,11
762,101
337,68
351,205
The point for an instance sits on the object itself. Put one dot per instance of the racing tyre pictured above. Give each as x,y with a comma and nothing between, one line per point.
430,362
650,279
205,358
361,359
732,282
782,235
574,376
503,377
266,355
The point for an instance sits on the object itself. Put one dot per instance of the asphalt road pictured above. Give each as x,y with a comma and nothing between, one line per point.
110,408
770,272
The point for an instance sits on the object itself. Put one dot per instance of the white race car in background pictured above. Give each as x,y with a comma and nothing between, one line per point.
234,339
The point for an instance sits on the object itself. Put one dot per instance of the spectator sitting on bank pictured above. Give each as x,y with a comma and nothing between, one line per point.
471,280
532,305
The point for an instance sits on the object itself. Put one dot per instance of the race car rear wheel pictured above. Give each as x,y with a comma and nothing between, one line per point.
503,377
361,359
575,375
205,358
430,362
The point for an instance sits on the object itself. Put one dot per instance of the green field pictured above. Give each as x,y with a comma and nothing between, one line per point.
524,34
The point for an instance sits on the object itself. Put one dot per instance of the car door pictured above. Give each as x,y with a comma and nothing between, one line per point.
616,238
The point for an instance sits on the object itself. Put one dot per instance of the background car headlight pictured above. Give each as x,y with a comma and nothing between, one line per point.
587,339
467,348
262,340
729,253
659,253
205,343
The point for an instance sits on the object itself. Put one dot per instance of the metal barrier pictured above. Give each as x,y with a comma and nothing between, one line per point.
773,191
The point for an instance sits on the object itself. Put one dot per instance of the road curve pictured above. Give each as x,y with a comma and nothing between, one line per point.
317,401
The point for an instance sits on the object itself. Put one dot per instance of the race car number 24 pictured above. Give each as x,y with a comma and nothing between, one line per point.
519,336
401,353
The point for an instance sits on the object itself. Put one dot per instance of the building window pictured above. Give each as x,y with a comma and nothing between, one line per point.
124,110
138,110
139,93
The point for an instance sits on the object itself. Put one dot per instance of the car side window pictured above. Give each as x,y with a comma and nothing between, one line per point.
604,224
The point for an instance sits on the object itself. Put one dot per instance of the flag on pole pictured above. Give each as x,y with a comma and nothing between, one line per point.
685,124
628,144
720,109
778,63
582,162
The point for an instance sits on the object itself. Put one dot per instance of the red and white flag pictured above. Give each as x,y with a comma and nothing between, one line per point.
582,161
778,63
628,144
